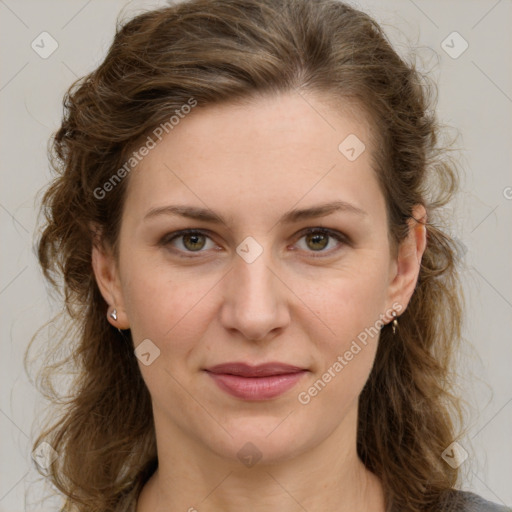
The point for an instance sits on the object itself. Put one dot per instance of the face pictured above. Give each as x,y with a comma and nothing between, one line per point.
268,276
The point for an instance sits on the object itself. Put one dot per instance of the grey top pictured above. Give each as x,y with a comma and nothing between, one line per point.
463,501
470,502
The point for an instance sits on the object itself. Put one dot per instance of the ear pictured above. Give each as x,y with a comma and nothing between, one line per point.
106,273
408,261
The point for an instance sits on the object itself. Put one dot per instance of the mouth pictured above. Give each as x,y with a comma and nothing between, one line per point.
261,382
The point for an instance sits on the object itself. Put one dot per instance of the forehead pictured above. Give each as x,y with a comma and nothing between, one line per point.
272,150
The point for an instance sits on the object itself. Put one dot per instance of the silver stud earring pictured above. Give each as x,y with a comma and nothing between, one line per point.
113,315
394,325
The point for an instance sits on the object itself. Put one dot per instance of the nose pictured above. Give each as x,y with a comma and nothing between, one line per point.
255,299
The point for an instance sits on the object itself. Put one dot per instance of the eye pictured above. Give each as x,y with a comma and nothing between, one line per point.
189,240
317,239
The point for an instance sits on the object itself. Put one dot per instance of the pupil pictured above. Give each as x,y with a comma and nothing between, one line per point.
194,239
318,238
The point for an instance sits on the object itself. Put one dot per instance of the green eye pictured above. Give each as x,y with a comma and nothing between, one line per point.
187,241
193,241
317,239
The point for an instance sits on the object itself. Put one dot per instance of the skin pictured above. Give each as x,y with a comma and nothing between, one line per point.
287,305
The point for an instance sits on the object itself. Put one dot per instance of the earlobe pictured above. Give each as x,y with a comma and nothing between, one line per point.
107,278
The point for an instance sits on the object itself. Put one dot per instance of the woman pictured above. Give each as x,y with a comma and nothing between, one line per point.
265,312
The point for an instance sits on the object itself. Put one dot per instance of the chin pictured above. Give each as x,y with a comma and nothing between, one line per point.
264,440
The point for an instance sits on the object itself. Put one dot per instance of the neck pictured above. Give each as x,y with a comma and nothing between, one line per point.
328,477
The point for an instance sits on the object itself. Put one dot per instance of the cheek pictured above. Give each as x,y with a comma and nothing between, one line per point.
165,305
352,306
168,311
354,300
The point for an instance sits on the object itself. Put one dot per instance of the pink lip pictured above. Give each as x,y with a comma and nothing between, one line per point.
260,382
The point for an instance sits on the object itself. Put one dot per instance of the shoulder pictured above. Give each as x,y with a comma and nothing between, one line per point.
462,501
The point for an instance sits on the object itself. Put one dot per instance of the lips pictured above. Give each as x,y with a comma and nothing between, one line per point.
260,382
262,370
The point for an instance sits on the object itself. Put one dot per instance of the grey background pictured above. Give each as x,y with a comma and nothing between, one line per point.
475,96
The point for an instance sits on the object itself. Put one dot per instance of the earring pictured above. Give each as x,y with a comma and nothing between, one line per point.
113,315
394,325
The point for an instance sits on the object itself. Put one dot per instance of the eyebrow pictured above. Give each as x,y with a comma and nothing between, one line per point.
204,214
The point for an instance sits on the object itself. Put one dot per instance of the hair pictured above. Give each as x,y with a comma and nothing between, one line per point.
221,51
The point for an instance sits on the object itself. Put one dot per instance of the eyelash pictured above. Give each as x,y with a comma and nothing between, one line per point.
340,237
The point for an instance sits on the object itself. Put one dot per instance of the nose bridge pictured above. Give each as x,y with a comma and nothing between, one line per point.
255,278
254,302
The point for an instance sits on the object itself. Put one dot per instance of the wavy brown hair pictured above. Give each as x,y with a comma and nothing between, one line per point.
219,51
